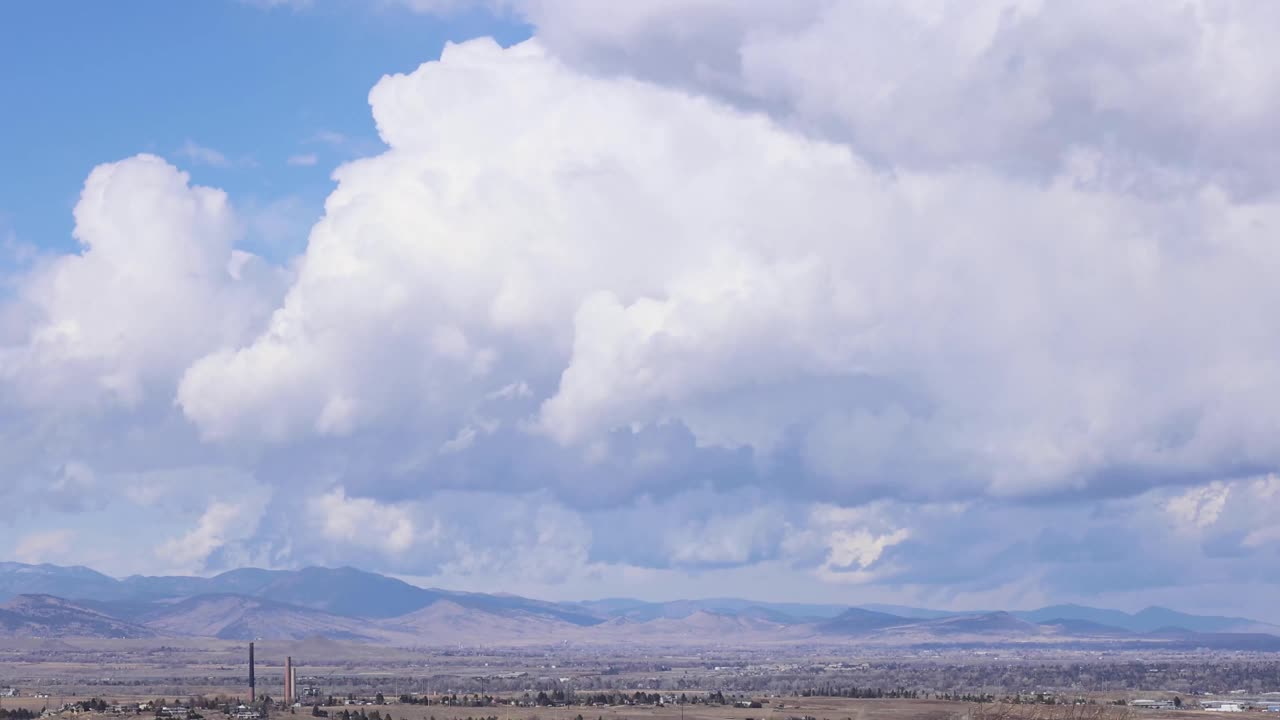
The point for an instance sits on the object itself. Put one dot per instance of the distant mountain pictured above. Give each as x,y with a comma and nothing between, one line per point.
346,603
447,622
871,624
857,621
239,617
52,617
911,612
1155,617
1113,618
701,627
1068,626
1149,620
994,623
509,604
641,610
340,591
22,579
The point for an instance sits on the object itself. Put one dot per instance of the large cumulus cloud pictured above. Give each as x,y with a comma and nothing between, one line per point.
640,258
966,303
1009,84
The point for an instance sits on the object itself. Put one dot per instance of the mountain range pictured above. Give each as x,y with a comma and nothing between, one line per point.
354,605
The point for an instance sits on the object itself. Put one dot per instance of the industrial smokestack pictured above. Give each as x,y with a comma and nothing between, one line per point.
253,684
288,681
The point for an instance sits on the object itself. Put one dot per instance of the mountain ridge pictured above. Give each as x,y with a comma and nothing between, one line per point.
351,604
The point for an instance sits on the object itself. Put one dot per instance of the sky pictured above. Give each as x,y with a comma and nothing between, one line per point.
967,305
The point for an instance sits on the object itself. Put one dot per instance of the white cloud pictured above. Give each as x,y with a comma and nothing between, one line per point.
220,523
362,522
303,160
1012,84
852,554
1232,513
45,546
927,334
151,290
1200,507
866,294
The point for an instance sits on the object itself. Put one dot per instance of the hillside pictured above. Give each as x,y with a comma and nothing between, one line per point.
643,611
699,627
340,591
22,579
993,623
1149,620
857,621
448,622
52,617
237,617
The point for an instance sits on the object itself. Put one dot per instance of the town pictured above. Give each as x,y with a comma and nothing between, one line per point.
561,684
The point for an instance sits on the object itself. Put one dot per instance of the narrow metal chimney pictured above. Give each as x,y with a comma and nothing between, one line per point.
288,681
253,684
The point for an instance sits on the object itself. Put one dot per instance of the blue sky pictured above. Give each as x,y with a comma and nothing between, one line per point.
963,304
87,83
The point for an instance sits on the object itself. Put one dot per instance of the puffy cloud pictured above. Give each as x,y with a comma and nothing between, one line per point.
1011,84
157,284
644,259
1200,507
362,521
962,303
220,524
